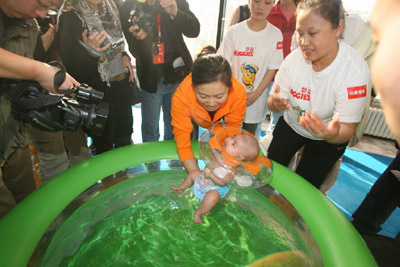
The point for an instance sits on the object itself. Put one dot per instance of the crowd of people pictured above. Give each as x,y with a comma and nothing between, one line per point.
318,88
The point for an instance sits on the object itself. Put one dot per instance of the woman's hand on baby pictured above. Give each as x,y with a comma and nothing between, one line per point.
193,174
314,125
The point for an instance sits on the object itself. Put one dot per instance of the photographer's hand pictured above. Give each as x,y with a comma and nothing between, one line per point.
170,7
140,35
69,82
46,79
126,62
95,40
48,37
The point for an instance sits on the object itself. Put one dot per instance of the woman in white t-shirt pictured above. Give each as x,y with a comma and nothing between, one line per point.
322,88
254,49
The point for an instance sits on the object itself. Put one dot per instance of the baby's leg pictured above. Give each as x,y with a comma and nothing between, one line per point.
210,199
188,182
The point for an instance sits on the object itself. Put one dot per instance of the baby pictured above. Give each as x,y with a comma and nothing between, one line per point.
211,186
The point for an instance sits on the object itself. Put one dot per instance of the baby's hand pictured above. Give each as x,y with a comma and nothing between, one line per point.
207,172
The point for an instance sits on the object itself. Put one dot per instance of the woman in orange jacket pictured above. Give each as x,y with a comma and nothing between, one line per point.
209,94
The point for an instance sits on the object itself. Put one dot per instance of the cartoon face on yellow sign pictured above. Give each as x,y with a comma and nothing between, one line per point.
249,75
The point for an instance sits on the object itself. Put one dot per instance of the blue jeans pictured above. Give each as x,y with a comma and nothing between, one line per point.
151,108
274,120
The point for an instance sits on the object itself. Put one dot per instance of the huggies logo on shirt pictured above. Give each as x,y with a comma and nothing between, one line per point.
304,94
357,92
248,53
279,45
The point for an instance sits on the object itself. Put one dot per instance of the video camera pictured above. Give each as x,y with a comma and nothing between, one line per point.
50,112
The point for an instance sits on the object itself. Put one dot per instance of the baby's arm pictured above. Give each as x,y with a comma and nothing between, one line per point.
220,175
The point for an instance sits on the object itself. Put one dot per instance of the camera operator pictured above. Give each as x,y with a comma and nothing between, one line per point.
91,46
18,39
60,150
154,31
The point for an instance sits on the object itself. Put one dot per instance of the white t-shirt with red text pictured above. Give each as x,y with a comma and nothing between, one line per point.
251,54
339,88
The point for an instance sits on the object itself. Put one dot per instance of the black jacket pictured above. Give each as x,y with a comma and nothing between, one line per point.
185,23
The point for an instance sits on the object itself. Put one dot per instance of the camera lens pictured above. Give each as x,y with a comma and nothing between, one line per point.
93,117
87,94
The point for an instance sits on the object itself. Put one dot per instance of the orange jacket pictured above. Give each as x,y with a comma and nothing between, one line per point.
185,107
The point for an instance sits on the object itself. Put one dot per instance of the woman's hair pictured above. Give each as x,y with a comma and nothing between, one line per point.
211,68
331,10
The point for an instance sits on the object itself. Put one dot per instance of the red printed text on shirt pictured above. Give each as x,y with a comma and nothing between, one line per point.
357,92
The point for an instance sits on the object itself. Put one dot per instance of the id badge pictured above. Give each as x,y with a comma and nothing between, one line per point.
158,53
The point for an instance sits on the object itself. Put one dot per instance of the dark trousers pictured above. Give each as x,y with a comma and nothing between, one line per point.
16,179
119,125
318,157
250,127
380,202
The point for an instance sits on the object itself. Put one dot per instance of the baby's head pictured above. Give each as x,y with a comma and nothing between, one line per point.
243,147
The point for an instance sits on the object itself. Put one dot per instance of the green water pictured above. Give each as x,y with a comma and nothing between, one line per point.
141,222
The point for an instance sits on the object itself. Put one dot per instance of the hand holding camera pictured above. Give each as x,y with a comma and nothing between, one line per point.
98,40
169,6
142,24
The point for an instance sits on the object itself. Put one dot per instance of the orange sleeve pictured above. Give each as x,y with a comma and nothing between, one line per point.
181,120
237,111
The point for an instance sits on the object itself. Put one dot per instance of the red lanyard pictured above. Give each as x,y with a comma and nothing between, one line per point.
159,28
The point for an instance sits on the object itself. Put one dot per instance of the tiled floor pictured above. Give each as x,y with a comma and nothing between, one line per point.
376,145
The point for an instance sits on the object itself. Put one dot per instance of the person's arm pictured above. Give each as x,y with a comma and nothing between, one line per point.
48,37
184,20
234,17
191,165
13,66
253,96
75,57
182,126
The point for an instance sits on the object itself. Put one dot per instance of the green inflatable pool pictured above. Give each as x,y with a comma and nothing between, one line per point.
338,242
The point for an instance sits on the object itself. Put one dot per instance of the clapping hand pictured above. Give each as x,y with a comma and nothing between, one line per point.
278,101
314,125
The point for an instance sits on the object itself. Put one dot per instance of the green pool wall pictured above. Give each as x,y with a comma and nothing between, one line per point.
21,229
